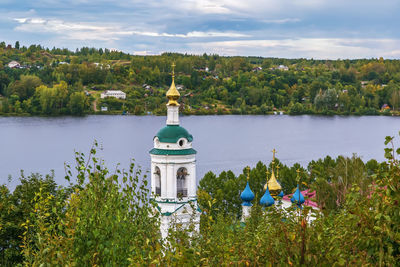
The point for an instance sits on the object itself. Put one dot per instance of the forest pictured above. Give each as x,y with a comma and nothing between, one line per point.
36,80
108,218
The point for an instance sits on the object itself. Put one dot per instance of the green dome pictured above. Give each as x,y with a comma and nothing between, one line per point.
172,133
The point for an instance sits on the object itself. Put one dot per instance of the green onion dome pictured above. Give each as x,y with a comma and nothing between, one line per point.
172,133
267,200
247,195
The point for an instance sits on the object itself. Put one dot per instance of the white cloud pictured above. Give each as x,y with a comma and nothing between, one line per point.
206,6
78,31
322,48
248,8
86,31
281,21
230,27
199,34
21,20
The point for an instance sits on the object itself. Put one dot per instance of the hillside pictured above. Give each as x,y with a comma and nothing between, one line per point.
42,81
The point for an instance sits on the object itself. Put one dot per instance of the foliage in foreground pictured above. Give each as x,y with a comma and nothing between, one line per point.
107,220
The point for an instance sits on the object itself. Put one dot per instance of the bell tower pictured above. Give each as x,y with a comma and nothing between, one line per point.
173,167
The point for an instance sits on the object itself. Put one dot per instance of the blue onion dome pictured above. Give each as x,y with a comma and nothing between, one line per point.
247,195
267,200
297,197
280,194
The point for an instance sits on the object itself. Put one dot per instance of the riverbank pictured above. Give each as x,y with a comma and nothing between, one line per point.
370,112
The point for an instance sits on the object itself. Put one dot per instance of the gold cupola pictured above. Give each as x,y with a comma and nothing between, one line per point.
273,186
173,94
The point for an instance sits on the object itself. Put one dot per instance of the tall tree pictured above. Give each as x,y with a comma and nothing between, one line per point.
77,103
25,86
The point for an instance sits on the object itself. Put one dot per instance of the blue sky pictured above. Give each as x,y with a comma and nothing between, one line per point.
271,28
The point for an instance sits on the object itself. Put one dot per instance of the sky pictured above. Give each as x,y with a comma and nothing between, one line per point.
319,29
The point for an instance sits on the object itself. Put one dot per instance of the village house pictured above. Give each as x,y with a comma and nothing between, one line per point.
364,83
101,66
14,65
190,94
146,86
282,67
257,69
113,93
385,107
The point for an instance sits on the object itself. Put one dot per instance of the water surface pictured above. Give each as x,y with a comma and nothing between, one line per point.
222,142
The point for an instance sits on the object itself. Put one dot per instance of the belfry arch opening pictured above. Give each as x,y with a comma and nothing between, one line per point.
181,182
157,180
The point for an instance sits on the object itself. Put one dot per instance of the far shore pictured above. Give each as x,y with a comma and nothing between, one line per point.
278,113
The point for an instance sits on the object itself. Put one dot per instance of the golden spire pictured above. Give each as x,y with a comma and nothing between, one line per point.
248,173
273,155
277,172
298,176
173,94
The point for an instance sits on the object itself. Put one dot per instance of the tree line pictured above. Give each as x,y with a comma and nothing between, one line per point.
209,84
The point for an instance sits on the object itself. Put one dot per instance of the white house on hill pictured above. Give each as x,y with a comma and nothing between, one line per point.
282,67
14,65
113,93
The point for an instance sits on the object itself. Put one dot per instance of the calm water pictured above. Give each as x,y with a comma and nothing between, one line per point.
222,142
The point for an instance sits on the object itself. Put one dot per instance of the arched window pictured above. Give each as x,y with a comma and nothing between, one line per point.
181,182
157,180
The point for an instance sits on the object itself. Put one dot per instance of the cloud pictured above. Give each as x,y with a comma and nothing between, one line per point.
77,31
284,28
21,20
260,8
199,34
321,48
85,31
281,21
206,6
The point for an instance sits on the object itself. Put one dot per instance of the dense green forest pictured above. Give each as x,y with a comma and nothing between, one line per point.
58,81
106,218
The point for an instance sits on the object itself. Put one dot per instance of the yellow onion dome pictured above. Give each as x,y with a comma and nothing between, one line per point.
173,94
274,187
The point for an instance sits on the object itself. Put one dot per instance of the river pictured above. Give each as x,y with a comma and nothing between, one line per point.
231,142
